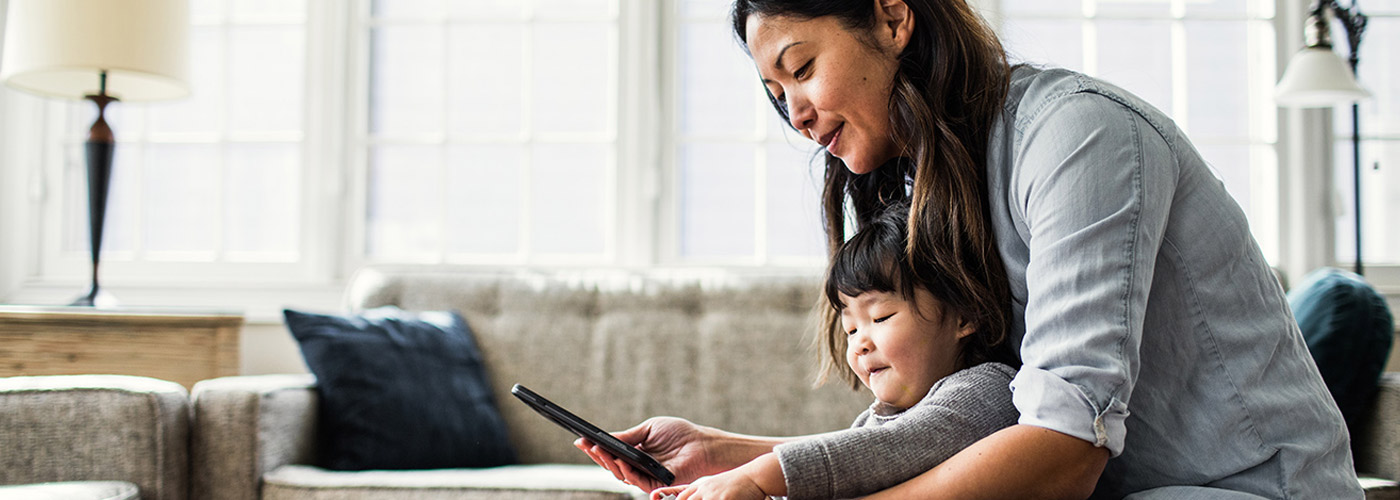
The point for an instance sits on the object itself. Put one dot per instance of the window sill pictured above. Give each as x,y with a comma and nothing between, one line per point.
260,305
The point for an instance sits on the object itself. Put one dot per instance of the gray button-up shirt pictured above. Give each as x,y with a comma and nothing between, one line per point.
1148,320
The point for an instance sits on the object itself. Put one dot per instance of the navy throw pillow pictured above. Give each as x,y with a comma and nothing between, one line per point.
1349,330
400,390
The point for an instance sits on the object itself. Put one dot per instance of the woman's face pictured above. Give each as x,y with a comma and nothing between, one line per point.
834,82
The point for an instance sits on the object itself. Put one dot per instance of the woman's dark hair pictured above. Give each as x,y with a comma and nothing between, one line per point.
947,92
874,260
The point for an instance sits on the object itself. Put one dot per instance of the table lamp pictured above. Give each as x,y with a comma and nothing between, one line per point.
1317,77
102,51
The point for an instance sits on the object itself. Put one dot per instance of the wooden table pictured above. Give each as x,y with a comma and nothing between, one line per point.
180,345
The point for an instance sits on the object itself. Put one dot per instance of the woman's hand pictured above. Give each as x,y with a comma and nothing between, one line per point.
732,485
683,447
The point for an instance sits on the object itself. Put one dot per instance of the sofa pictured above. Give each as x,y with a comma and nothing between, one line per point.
615,348
723,350
93,437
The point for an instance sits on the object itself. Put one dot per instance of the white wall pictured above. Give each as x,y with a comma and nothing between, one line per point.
268,348
13,197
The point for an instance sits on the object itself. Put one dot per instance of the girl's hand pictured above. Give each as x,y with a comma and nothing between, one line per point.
681,446
732,485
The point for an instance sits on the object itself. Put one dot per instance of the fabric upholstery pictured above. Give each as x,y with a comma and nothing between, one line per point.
400,390
615,348
246,427
521,482
95,428
72,490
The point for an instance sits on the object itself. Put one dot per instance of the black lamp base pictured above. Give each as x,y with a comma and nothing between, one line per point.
95,298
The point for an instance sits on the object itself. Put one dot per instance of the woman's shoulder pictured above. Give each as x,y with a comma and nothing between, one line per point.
1075,98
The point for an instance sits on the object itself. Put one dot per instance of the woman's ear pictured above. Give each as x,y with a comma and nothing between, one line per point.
894,24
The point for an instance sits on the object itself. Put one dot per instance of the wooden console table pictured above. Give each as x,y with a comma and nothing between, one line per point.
183,346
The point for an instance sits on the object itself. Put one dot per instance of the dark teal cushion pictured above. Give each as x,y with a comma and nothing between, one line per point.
400,390
1349,330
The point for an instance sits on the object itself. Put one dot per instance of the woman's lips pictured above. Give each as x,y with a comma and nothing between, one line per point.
835,137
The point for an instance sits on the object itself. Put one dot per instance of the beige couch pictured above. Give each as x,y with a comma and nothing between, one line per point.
728,351
613,347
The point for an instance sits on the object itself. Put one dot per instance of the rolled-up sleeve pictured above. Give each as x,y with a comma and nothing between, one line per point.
1094,183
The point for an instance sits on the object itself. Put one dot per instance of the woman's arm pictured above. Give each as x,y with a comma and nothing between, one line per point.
1020,461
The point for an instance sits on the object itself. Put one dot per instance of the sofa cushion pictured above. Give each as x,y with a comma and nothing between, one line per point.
72,490
518,482
400,390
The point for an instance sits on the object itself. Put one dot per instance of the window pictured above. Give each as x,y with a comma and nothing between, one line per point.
1379,119
744,187
323,136
210,183
492,132
1209,64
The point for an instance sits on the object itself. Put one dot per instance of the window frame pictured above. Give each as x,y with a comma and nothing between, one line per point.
32,154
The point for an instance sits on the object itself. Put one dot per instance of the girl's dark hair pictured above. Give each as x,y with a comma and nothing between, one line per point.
948,90
874,260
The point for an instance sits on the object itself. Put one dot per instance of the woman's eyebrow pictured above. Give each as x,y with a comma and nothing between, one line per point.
778,63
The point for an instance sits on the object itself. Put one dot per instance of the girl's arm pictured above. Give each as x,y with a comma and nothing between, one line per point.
760,478
960,410
1021,461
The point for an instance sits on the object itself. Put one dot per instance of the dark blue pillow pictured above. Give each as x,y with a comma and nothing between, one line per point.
400,390
1349,330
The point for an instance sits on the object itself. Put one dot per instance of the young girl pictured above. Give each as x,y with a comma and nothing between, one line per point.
940,381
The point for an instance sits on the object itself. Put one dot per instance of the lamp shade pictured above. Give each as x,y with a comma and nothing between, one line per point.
1317,77
59,48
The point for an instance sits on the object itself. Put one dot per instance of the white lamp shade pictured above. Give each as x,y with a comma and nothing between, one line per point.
59,48
1317,77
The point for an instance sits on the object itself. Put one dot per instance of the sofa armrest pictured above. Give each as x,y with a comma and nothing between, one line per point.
96,428
246,426
1377,447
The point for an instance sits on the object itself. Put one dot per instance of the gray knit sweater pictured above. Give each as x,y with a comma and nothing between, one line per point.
885,446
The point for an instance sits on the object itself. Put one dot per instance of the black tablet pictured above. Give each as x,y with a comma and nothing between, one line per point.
580,427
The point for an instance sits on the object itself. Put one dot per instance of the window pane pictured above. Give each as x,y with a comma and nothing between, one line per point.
1380,73
406,86
1046,43
263,192
486,83
1218,80
1137,55
1042,7
1219,7
717,200
483,201
717,82
568,197
706,9
405,203
794,202
285,11
266,69
180,195
564,9
1380,197
406,8
207,11
202,110
1134,7
487,9
573,71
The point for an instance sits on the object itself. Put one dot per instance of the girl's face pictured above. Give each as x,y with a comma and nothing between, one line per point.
835,83
897,352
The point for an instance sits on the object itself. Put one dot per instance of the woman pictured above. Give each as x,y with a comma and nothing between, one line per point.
1160,359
